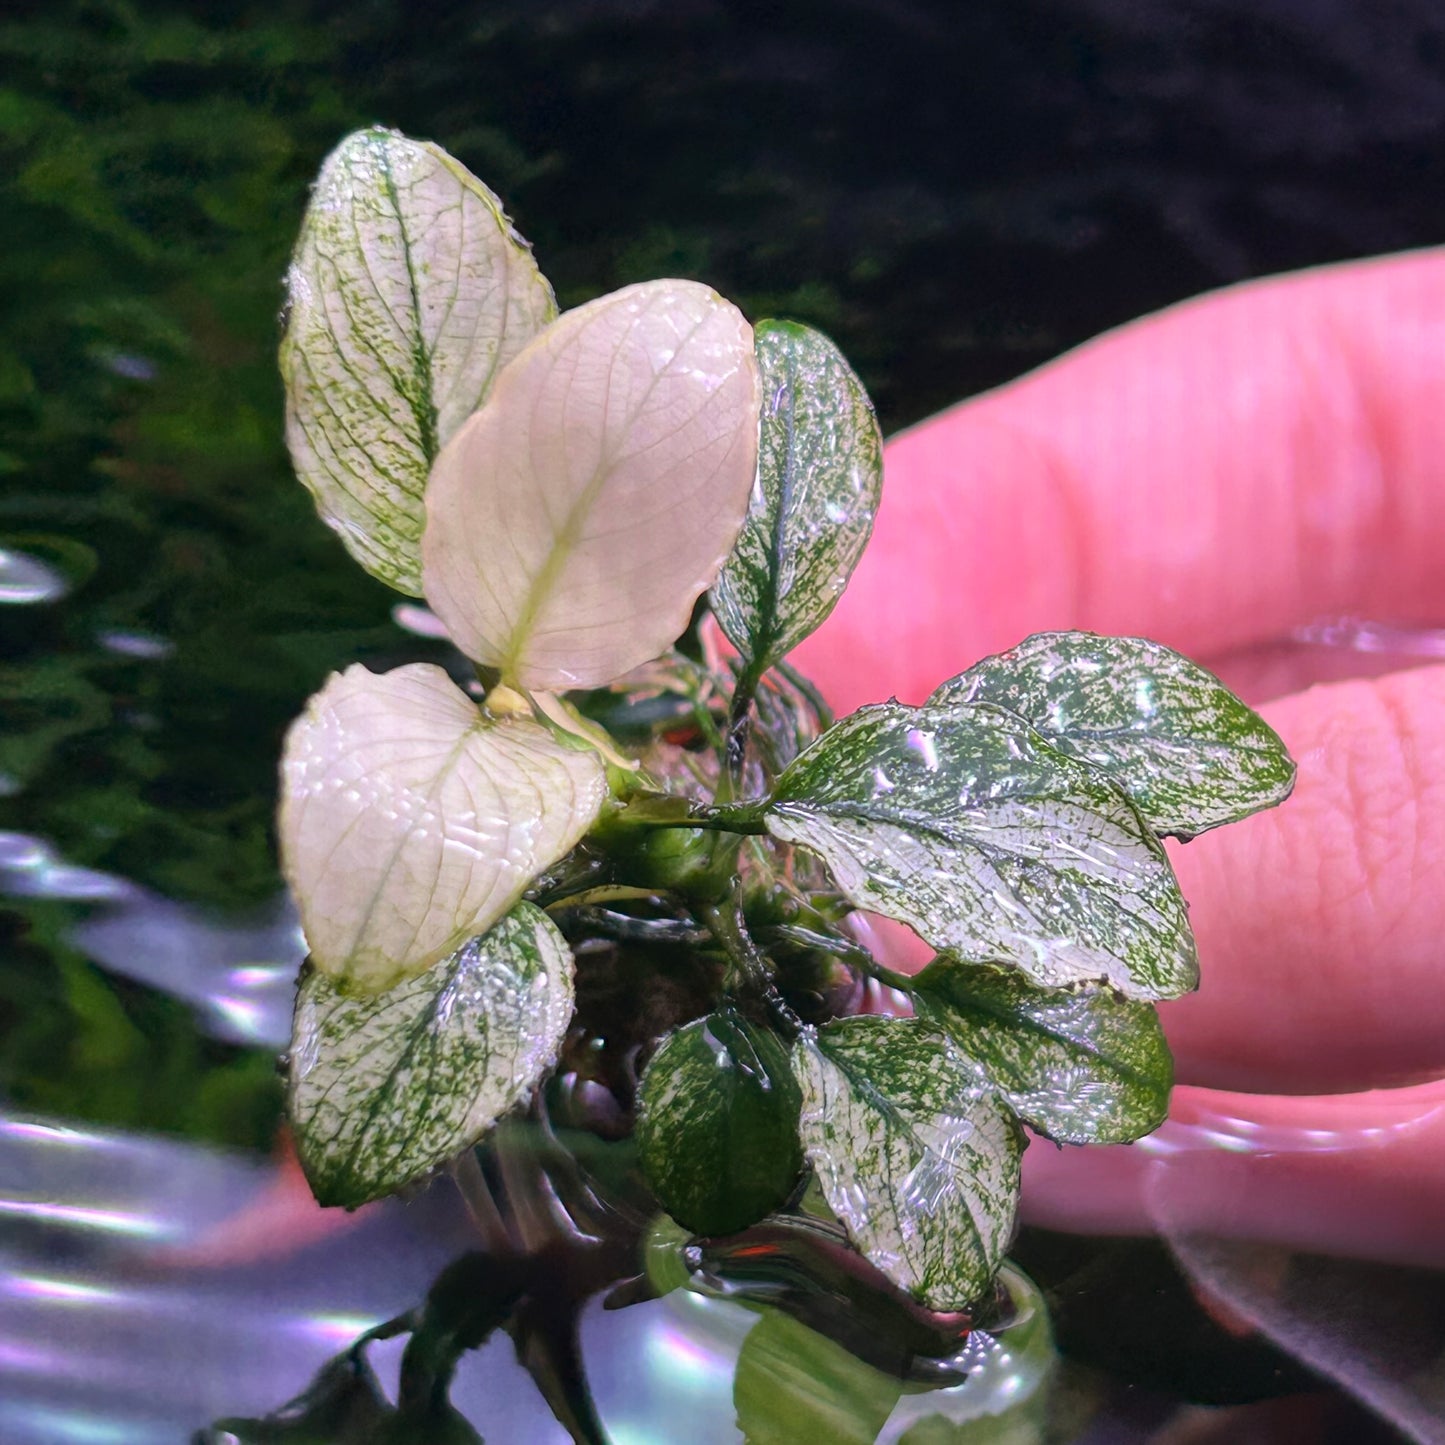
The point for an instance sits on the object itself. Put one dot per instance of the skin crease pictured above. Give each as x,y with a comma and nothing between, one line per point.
1214,477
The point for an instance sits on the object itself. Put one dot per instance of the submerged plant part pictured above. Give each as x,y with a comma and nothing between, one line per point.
682,836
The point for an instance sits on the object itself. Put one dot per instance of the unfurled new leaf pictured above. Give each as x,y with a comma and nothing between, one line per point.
965,824
573,522
1082,1066
408,292
411,820
717,1125
385,1089
919,1164
820,472
1189,753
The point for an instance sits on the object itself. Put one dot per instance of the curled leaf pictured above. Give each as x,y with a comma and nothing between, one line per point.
408,292
385,1089
963,823
717,1128
1187,751
411,820
573,522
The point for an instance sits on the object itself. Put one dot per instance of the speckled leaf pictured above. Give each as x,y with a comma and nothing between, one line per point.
963,823
385,1089
717,1124
573,522
411,820
1190,753
793,1386
408,292
919,1164
820,472
1083,1066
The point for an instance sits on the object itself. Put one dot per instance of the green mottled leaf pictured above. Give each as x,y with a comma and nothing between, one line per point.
717,1125
919,1164
1189,753
820,472
794,1385
965,824
573,522
408,292
1082,1066
411,820
385,1089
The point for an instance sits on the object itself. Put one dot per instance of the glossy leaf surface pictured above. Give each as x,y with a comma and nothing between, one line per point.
820,473
717,1127
573,522
384,1090
965,824
1189,753
919,1164
1082,1066
408,292
411,820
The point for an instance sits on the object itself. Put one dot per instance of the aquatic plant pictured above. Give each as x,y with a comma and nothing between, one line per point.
615,869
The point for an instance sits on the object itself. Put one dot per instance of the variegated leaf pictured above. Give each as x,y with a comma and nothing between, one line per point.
573,522
1189,753
408,292
920,1166
963,823
820,473
411,820
717,1124
385,1089
1082,1066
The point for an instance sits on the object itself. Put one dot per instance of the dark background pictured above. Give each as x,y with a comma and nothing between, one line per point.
955,190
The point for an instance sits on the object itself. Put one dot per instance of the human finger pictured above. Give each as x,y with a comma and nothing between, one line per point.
1371,1167
1319,923
1211,476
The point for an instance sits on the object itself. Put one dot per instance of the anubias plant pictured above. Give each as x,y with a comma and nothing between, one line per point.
616,874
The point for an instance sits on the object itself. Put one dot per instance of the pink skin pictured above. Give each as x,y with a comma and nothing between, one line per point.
1214,477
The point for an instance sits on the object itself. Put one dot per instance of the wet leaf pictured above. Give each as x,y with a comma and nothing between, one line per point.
717,1128
1189,753
919,1164
408,292
794,1385
386,1089
820,473
1081,1066
965,824
411,820
572,523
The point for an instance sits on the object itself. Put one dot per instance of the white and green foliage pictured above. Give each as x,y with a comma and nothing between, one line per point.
408,293
1189,753
391,1085
563,492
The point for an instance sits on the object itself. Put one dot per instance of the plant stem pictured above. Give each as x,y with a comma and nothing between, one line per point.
725,922
845,948
740,713
809,689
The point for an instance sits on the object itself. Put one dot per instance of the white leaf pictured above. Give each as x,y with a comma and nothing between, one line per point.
408,292
410,820
383,1090
573,522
